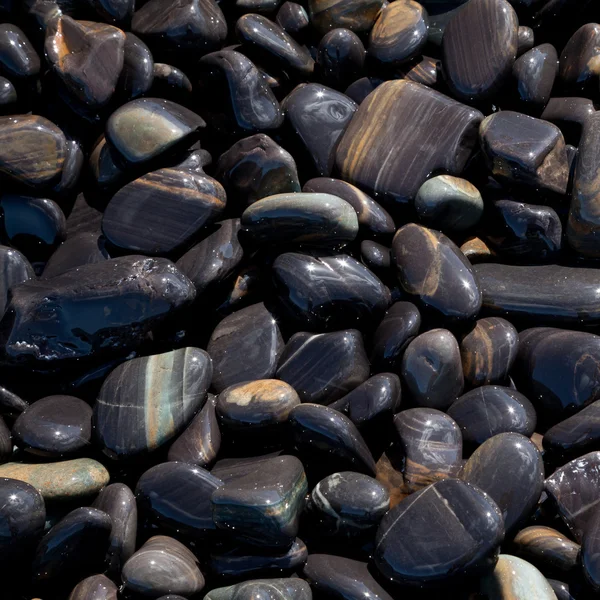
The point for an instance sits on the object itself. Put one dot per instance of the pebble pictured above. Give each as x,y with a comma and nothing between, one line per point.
356,15
95,587
341,57
292,17
535,72
18,57
577,434
579,58
137,74
283,589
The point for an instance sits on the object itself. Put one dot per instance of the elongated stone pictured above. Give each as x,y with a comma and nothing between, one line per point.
282,589
479,48
577,434
69,480
94,587
376,153
260,504
145,402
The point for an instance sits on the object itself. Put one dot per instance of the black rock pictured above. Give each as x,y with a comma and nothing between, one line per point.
577,434
15,269
284,589
80,249
94,587
18,57
340,57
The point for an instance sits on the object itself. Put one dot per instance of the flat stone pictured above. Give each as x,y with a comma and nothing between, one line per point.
479,48
147,128
162,566
54,426
377,154
319,381
69,480
488,410
260,503
321,433
118,501
94,587
356,15
147,401
283,589
468,532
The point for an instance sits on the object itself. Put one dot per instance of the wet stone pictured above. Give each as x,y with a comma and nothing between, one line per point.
340,58
348,504
11,405
488,410
114,11
319,381
525,40
488,351
376,257
8,96
356,15
74,548
318,115
15,269
569,115
399,34
54,426
337,576
69,480
177,496
256,167
479,48
118,501
199,444
147,128
171,83
260,503
510,469
147,401
574,489
102,293
547,549
307,219
162,566
324,434
282,589
80,249
577,434
579,61
18,58
95,587
535,72
377,153
137,74
432,369
469,530
449,203
22,519
292,17
329,292
245,345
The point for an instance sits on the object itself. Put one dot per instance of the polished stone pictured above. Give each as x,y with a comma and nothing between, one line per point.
148,128
137,74
271,40
22,518
510,469
307,219
87,58
376,152
188,25
376,257
162,211
432,369
486,411
238,98
176,496
69,480
356,15
326,434
468,532
579,59
260,503
561,590
55,426
94,587
550,294
479,48
525,40
431,444
162,566
574,490
449,203
32,150
6,442
547,549
577,434
74,548
534,73
374,222
118,501
569,115
318,115
15,269
319,381
516,579
292,17
329,292
8,96
399,34
98,309
200,442
105,168
332,576
558,370
147,401
11,405
590,551
348,504
256,406
488,351
215,258
522,232
340,58
256,167
245,345
80,249
281,589
18,58
114,11
171,83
